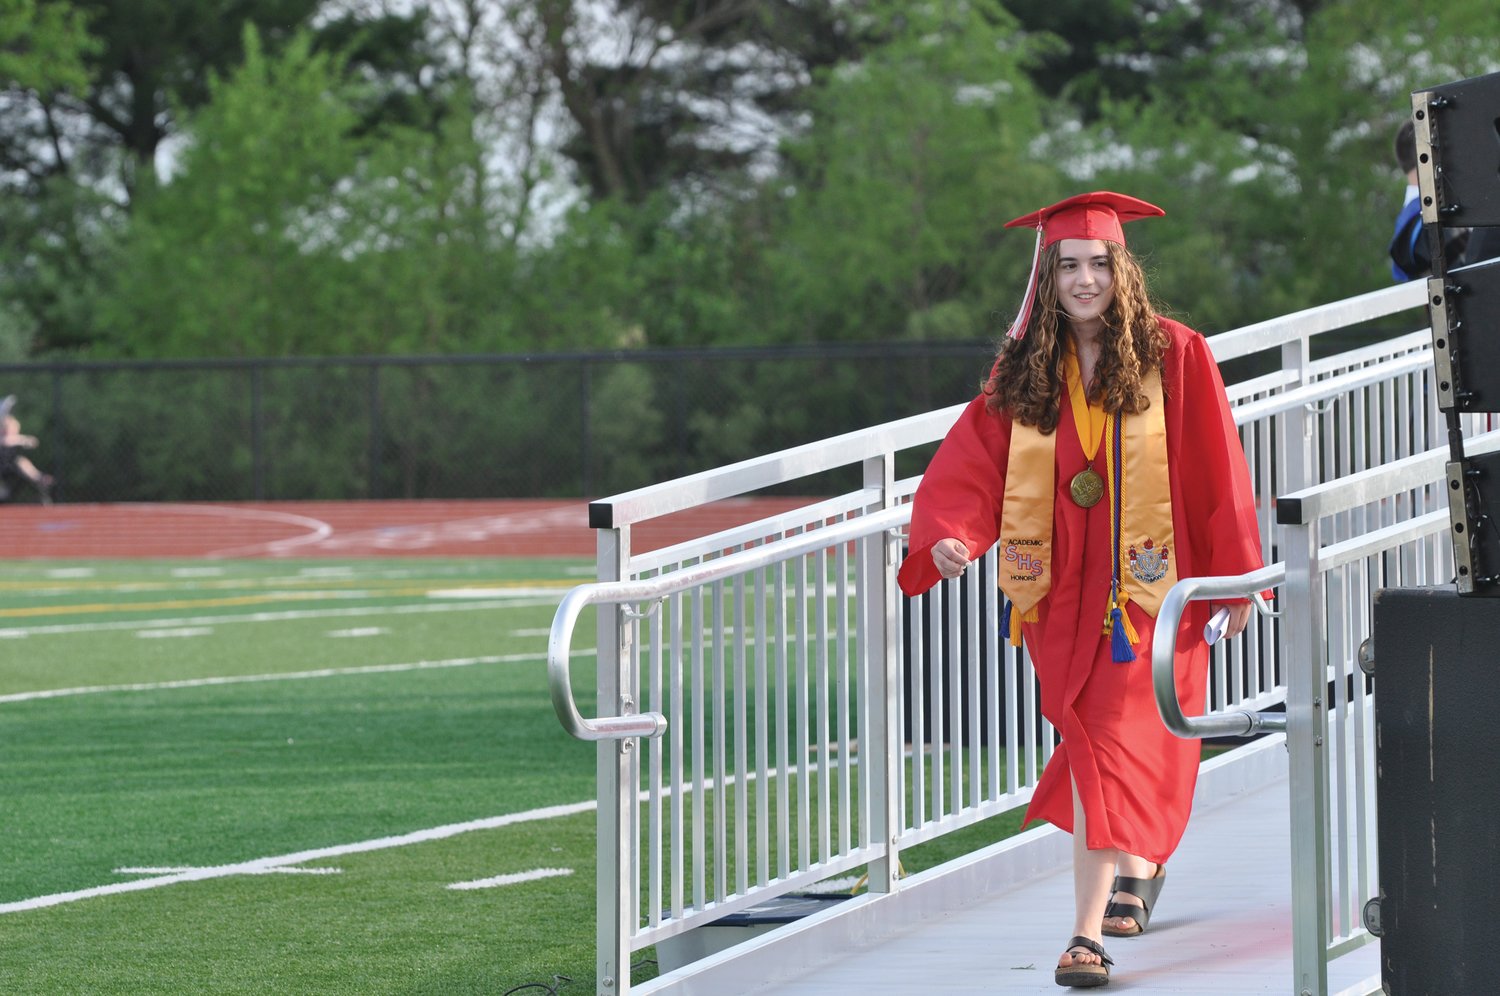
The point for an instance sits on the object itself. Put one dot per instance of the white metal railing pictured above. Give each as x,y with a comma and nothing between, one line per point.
1335,562
799,723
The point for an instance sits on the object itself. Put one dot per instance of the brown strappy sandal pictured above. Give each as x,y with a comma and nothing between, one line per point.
1147,889
1084,976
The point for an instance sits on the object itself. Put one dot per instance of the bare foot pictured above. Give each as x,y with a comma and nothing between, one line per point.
1078,955
1125,923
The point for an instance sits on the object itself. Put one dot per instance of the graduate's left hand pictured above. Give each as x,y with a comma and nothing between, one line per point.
1239,617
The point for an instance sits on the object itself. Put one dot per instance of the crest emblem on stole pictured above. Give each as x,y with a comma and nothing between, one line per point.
1147,563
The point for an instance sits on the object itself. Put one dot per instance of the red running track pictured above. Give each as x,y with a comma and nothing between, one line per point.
518,528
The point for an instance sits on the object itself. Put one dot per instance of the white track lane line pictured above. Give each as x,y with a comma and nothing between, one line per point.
317,529
524,598
242,679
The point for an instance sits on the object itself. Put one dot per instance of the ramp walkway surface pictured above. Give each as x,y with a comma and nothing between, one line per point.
1223,926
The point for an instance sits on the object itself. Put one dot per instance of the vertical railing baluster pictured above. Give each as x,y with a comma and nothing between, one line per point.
762,733
783,726
676,725
993,664
936,724
656,746
700,759
721,747
804,726
825,718
916,710
741,745
972,687
841,689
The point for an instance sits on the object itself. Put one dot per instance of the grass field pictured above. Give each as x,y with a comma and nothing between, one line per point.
297,777
257,777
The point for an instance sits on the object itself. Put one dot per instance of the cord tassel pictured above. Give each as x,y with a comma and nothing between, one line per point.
1011,618
1119,640
1015,624
1122,635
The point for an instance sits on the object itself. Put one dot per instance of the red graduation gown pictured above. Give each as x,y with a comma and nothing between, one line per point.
1135,778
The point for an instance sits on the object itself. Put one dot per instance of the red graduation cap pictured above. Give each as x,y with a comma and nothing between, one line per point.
1096,215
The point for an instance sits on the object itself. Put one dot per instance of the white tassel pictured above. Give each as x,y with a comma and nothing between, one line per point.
1018,327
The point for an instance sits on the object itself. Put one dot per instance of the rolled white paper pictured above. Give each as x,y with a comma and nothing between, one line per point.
1214,631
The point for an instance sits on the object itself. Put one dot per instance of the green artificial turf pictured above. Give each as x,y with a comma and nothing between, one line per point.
163,717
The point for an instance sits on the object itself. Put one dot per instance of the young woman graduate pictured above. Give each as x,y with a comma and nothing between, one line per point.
1102,456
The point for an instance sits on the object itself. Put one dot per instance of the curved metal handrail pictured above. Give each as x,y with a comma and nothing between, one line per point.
654,724
1239,723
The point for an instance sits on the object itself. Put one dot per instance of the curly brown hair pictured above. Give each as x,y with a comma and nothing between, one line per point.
1027,379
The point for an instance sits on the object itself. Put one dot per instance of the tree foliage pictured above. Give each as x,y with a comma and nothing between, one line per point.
277,177
42,47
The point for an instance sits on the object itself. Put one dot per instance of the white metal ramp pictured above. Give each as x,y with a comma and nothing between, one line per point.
739,676
996,921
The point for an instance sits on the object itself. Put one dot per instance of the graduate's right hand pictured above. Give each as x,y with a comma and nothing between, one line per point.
950,556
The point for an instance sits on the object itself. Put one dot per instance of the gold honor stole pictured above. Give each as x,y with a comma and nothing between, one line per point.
1138,499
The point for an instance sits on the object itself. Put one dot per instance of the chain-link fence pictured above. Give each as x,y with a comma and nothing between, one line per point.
505,426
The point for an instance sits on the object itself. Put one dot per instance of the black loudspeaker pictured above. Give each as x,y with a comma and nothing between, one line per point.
1464,306
1458,174
1436,661
1459,124
1473,506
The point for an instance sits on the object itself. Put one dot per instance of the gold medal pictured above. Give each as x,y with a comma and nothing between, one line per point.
1090,420
1087,488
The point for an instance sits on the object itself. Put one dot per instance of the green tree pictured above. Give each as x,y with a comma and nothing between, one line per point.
42,47
660,93
223,259
107,113
292,228
918,152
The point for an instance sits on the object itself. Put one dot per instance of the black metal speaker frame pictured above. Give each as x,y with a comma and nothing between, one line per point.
1458,179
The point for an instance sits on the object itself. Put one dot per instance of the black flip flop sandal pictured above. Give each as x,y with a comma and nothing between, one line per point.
1146,889
1084,976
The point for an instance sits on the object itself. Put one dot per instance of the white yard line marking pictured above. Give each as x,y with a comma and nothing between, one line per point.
287,870
359,631
148,634
262,865
196,572
518,877
524,598
241,679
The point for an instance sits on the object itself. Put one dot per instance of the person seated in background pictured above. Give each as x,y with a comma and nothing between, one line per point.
1411,257
14,465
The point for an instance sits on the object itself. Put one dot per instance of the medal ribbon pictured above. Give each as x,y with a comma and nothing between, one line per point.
1088,418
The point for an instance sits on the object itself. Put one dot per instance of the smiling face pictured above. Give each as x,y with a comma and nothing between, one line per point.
1085,282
